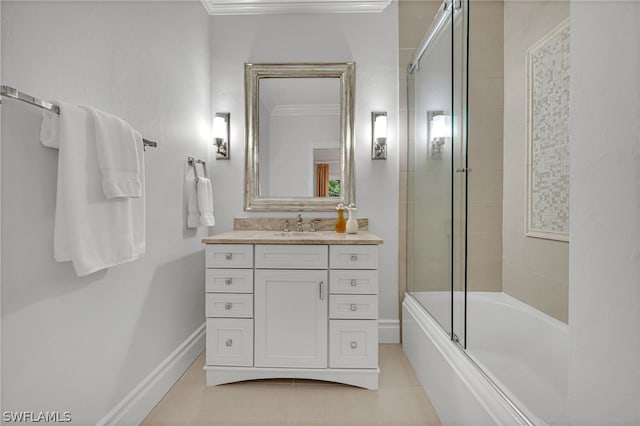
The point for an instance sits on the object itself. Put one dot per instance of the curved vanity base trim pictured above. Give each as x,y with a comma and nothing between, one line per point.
364,378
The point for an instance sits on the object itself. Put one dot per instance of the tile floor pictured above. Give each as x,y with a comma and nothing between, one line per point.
400,401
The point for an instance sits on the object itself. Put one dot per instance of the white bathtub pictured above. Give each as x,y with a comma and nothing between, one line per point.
522,350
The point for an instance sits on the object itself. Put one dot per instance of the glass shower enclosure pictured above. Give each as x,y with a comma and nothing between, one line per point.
499,292
437,170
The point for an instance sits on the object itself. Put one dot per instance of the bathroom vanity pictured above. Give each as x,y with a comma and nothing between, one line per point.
292,305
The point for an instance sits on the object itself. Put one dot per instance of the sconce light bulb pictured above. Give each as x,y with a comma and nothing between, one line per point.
219,128
380,127
440,126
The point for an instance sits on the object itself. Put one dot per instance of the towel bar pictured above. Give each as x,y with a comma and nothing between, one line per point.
192,162
12,93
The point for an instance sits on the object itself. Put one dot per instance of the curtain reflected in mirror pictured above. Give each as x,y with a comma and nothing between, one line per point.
327,172
322,180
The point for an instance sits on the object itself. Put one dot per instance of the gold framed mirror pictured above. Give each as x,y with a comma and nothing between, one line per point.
299,135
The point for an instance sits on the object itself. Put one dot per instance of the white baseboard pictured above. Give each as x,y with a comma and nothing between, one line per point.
141,400
388,331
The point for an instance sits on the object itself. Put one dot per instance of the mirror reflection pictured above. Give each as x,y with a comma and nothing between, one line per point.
299,128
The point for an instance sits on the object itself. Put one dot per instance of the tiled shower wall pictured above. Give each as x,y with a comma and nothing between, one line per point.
534,270
484,215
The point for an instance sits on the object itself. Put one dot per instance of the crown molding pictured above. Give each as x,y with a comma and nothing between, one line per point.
259,7
305,110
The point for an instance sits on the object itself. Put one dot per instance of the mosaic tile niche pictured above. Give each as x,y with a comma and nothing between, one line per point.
548,136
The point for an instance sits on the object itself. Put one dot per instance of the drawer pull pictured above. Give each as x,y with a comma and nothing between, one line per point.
228,256
354,257
230,342
354,307
353,283
228,306
228,281
354,344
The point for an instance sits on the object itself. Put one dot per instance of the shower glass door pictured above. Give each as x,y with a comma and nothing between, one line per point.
460,170
436,193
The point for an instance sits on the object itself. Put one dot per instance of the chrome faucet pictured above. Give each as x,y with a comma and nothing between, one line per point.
299,224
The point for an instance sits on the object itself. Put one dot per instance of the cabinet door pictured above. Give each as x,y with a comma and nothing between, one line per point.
291,318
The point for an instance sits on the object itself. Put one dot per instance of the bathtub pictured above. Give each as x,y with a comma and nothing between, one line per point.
513,372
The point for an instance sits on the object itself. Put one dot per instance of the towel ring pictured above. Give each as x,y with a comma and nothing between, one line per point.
192,162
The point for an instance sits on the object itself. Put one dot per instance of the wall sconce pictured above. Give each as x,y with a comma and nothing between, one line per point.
439,131
221,135
378,135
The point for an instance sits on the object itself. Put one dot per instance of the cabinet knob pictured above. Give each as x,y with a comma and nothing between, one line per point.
354,344
353,283
354,307
230,342
228,256
228,306
354,257
227,281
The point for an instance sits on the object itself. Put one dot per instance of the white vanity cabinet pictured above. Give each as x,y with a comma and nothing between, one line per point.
285,310
229,304
353,308
291,318
291,297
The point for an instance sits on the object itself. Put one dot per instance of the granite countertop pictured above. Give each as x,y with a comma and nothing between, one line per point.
292,237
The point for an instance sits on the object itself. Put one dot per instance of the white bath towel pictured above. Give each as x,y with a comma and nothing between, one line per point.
49,129
117,155
205,202
90,230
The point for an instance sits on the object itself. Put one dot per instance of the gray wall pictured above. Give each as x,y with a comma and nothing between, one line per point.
604,302
371,41
82,344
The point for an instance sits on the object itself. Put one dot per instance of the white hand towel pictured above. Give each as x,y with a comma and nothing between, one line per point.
117,155
193,213
91,231
205,202
49,129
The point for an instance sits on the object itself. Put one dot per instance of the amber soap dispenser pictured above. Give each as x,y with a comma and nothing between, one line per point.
341,223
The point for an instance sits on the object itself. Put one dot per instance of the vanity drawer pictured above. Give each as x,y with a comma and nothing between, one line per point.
353,257
229,256
291,256
353,281
353,306
229,305
230,341
353,344
229,280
